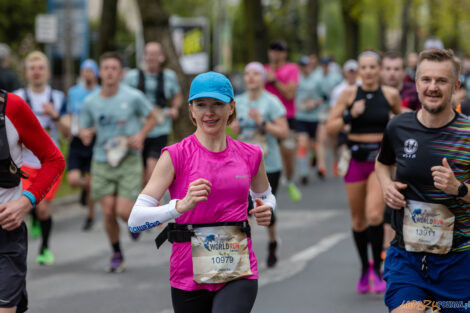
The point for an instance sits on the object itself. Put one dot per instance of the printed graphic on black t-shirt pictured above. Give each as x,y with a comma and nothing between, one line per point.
415,149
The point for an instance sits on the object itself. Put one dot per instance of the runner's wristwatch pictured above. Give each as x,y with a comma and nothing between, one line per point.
462,191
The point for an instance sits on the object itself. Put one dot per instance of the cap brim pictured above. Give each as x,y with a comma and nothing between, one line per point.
214,95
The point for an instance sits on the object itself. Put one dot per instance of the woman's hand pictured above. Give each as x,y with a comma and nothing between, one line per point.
262,213
198,191
358,108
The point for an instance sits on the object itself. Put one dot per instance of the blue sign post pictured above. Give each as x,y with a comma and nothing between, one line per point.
78,21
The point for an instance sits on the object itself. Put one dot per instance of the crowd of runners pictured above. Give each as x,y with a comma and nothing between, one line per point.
395,128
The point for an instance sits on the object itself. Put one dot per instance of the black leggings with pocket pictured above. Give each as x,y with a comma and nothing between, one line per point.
237,296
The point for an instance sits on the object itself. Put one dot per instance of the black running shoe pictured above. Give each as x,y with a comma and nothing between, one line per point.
272,254
304,180
88,224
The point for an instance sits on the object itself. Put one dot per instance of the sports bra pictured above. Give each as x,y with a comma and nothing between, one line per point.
375,117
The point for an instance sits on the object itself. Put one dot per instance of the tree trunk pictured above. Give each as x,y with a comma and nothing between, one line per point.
382,27
156,27
255,30
434,18
312,27
108,26
351,25
405,26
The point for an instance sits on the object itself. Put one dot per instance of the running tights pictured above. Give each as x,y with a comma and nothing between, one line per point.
237,296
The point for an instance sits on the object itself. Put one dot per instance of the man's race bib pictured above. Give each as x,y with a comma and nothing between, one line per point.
220,254
116,150
428,227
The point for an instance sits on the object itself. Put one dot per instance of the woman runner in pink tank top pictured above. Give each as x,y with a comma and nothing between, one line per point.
209,176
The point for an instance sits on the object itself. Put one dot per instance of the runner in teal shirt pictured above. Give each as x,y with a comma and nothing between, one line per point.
162,89
261,119
310,111
114,114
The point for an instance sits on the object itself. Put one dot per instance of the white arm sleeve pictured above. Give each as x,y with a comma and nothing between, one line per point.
267,197
146,214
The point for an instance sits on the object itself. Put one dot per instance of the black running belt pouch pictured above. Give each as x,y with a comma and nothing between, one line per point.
363,152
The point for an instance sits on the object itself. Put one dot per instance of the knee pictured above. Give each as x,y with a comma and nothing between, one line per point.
375,217
73,179
359,222
43,212
109,215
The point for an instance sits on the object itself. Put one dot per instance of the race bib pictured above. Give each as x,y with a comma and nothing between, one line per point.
220,254
428,227
116,150
260,141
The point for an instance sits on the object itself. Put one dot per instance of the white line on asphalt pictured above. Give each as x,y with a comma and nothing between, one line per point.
295,264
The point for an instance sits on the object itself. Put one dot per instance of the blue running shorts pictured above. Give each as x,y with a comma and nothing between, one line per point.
428,278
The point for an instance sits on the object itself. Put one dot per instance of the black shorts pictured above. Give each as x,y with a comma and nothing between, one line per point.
388,215
291,122
13,251
237,296
307,127
153,147
80,155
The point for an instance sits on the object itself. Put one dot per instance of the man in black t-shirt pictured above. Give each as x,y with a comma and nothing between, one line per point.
429,257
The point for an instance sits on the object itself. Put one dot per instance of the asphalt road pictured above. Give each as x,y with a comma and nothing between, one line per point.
317,271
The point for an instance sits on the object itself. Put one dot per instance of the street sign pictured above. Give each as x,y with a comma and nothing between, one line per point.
46,28
191,40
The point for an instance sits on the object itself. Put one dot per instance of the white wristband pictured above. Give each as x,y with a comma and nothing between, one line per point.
146,214
266,196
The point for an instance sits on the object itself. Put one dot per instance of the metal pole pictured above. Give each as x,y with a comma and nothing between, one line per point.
68,56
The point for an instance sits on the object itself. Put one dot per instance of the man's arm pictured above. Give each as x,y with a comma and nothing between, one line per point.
390,189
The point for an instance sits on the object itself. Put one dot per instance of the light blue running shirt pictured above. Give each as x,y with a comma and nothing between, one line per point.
309,88
270,108
120,115
171,87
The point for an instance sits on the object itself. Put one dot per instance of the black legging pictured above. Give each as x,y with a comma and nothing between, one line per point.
237,296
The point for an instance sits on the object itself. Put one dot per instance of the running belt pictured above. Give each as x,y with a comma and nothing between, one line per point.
174,232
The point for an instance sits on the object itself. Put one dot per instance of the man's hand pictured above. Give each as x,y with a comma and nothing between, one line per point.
444,178
49,110
12,213
270,76
137,142
255,115
392,195
173,113
262,213
86,135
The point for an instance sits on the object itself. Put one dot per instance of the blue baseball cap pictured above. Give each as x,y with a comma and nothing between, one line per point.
211,85
91,65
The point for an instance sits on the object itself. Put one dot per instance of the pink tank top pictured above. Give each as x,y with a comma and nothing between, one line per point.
288,73
230,172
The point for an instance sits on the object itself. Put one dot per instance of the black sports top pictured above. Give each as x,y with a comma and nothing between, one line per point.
375,117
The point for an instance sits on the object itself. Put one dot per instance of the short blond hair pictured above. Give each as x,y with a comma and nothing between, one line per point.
34,56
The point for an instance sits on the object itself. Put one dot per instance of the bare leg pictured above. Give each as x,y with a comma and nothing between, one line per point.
151,162
108,205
